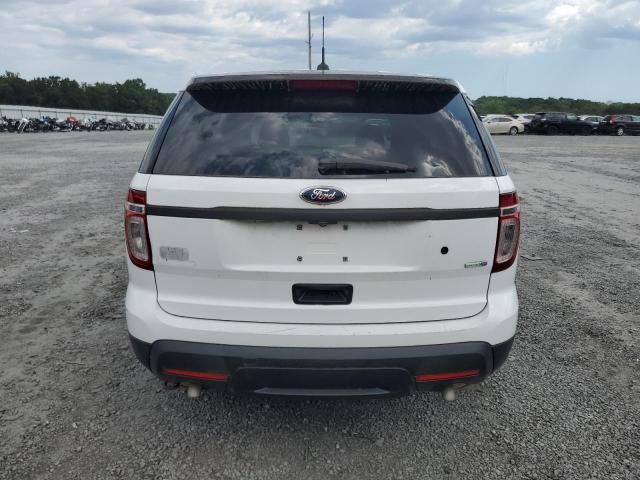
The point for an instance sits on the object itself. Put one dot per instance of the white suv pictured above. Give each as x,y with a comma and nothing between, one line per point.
322,234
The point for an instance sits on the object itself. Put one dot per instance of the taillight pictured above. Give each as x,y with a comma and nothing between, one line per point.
508,232
135,229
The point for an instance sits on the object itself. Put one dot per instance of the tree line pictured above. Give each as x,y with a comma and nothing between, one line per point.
487,105
131,96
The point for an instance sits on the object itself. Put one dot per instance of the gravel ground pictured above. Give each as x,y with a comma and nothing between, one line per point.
76,404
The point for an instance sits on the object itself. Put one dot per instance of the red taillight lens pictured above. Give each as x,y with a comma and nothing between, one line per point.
437,377
297,85
508,232
220,377
135,229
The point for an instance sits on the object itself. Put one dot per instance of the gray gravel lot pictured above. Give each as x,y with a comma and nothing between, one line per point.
74,402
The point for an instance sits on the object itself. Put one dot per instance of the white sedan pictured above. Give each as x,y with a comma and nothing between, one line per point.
503,124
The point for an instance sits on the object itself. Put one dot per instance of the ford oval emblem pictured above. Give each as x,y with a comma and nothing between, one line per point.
322,195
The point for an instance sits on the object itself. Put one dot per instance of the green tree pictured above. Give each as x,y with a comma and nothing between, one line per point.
131,96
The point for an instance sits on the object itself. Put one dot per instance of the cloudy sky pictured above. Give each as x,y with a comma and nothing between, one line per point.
574,48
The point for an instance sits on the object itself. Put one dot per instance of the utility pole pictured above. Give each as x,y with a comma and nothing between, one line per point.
308,42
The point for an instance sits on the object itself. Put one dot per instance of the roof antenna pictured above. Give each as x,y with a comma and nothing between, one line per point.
322,65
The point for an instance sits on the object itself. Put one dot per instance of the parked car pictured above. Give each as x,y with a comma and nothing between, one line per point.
553,123
503,124
594,120
332,234
619,125
524,118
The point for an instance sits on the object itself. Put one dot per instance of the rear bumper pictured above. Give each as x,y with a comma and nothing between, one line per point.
326,372
299,359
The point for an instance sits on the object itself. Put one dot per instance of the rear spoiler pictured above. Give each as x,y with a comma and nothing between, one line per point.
282,82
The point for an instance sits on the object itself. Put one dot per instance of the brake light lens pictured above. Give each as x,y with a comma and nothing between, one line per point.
349,85
508,232
135,229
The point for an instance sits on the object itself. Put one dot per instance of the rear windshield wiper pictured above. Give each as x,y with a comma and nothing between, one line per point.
363,166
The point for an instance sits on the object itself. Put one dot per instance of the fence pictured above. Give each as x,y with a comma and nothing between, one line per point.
21,111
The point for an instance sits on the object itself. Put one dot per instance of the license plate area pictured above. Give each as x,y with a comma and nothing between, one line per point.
322,294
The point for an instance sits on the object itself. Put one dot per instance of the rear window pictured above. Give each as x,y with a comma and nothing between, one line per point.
297,134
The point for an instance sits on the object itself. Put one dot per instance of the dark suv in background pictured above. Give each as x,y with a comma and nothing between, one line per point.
553,123
619,125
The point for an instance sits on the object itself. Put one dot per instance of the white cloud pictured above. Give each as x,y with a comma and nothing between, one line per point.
562,15
141,36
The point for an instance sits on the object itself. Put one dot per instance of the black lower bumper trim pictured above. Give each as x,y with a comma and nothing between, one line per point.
142,351
321,372
323,392
500,353
340,381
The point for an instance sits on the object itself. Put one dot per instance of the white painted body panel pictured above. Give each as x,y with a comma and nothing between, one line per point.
505,184
148,322
243,271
